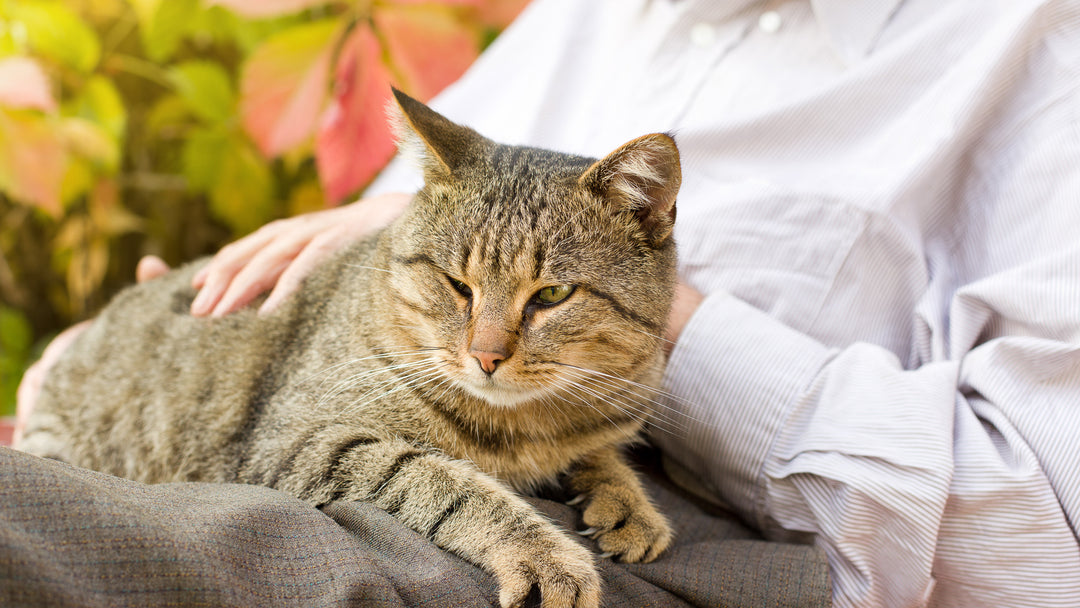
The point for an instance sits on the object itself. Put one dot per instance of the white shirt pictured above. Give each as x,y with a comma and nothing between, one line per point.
881,200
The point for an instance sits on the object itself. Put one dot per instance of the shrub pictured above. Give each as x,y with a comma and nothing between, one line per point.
173,126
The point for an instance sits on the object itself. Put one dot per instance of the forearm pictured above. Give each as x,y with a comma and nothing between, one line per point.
886,469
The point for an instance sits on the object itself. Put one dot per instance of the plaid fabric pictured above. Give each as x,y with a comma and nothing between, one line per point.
72,537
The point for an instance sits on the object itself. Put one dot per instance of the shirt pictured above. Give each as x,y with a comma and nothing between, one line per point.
881,203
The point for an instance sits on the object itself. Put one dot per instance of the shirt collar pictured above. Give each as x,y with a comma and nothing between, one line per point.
853,26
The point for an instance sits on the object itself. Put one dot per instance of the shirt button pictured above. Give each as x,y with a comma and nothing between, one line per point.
770,22
703,34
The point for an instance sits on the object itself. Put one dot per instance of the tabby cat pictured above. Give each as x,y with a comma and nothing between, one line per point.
502,334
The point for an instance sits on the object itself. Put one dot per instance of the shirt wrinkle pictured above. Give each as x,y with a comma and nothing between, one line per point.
887,249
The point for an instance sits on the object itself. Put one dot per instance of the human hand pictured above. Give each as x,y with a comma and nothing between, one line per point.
281,254
687,300
150,267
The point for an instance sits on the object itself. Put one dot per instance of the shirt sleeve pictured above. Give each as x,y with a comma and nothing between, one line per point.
866,459
842,446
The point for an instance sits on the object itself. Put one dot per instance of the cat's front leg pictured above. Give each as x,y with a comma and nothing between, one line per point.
463,510
615,509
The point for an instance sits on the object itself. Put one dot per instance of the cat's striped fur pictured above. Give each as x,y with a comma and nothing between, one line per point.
426,369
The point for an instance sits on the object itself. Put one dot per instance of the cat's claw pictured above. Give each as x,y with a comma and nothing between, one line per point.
577,500
607,555
633,531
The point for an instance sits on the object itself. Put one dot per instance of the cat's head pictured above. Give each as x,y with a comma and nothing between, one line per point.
528,275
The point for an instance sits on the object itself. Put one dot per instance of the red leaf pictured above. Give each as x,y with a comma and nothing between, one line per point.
283,86
499,13
23,84
429,47
266,8
473,3
32,159
354,140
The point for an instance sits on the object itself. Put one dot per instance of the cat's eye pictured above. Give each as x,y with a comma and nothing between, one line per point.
460,287
553,294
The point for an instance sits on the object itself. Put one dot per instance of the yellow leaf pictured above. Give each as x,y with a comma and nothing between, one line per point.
306,197
92,143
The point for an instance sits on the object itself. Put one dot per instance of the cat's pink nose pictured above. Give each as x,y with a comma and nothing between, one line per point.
488,360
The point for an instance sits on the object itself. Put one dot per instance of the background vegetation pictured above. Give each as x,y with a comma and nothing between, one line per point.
170,127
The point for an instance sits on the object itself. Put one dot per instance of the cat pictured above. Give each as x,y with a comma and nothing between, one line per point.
502,335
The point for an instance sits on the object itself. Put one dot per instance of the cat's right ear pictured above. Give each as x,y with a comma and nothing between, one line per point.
442,147
642,176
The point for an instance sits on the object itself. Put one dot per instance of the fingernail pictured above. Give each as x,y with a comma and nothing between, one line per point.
268,306
220,310
198,305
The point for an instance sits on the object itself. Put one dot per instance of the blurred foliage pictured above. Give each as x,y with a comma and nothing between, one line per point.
169,127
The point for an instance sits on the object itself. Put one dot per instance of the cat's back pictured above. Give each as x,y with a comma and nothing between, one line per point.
148,386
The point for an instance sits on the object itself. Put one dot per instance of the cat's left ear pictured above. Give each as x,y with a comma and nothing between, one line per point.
644,176
443,147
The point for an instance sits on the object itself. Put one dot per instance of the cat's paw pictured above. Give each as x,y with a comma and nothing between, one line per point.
625,524
562,569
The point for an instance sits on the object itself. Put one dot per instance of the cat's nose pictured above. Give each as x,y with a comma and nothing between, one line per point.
488,360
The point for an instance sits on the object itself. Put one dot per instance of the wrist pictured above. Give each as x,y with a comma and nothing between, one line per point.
686,302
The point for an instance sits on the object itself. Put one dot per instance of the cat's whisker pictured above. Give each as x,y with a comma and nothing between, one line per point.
586,397
450,386
352,379
404,379
660,410
652,335
356,379
571,384
358,360
657,391
400,383
631,408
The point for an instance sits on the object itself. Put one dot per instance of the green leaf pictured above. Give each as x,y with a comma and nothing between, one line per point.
55,32
163,24
15,333
205,87
15,342
242,194
100,103
78,180
169,113
201,158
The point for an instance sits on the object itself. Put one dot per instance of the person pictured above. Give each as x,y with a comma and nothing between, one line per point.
876,343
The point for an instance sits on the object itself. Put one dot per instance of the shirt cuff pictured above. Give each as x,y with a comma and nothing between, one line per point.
733,376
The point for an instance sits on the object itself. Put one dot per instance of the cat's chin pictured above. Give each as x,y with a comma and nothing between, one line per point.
502,395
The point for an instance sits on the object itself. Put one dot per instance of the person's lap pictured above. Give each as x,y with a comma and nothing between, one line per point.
74,537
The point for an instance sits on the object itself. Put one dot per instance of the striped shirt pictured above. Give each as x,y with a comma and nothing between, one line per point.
881,202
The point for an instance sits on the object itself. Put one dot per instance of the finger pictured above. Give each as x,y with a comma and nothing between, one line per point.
232,257
247,286
318,251
263,271
150,267
260,274
208,297
222,272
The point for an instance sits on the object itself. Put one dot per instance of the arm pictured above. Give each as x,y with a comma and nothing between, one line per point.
901,476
